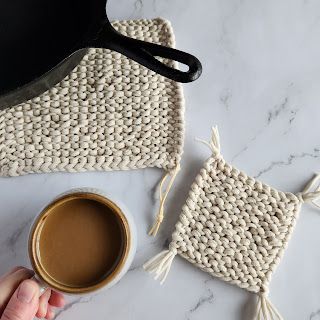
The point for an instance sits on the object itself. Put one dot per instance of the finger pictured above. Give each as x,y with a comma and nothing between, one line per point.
50,313
57,299
11,271
43,304
10,283
23,303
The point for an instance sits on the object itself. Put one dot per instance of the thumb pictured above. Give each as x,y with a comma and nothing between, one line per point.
24,303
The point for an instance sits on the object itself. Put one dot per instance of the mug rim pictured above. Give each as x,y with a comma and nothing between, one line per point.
36,228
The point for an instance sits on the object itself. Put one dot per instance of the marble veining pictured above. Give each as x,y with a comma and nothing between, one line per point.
277,110
315,153
225,98
261,86
72,303
12,240
282,110
206,298
315,315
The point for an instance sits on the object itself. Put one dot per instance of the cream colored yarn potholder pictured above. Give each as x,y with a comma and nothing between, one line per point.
110,113
234,227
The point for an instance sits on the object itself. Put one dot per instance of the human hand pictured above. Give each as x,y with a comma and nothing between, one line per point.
20,297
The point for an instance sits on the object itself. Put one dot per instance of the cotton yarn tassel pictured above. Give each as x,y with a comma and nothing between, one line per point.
160,265
214,144
309,196
266,310
163,196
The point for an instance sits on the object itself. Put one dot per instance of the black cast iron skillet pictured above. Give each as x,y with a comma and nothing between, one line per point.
41,42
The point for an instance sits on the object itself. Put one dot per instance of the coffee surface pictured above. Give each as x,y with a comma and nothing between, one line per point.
81,242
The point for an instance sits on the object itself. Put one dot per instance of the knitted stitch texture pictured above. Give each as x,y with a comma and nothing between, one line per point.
110,113
235,227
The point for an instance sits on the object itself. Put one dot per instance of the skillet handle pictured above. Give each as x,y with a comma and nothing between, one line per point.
145,53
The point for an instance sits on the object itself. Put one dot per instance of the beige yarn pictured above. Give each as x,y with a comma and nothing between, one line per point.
110,113
234,227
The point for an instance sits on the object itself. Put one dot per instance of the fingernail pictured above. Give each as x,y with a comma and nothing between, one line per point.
26,291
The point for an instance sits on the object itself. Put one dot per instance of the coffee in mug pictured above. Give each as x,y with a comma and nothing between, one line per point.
81,242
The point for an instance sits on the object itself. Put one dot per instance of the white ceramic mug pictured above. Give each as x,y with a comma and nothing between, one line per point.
44,279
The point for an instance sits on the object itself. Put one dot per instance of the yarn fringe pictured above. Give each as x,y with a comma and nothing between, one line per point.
214,144
266,310
163,196
309,196
160,265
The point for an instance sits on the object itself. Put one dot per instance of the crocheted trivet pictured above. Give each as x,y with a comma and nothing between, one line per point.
110,113
234,227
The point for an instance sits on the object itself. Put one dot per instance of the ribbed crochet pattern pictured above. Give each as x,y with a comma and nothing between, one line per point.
110,113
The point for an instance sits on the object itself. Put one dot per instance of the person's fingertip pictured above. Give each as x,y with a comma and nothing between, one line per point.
61,302
50,314
43,304
57,300
40,314
27,291
23,304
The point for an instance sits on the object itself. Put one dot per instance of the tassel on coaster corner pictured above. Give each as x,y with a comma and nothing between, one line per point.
163,196
266,310
214,143
160,265
309,196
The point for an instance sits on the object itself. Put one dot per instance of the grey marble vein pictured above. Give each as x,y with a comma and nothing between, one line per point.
277,110
134,268
225,98
293,114
225,39
71,304
315,315
11,241
273,115
246,147
292,118
207,298
67,307
292,157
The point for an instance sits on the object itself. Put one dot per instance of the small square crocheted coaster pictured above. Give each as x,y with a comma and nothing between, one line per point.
110,113
234,227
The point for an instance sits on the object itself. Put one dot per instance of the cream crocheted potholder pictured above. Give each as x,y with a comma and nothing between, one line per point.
110,113
234,227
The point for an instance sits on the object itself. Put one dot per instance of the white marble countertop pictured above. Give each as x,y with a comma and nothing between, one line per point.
261,85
